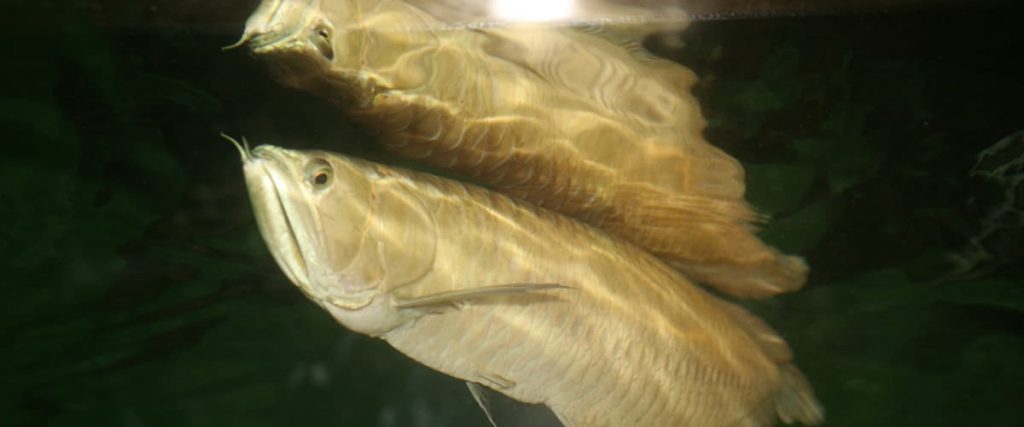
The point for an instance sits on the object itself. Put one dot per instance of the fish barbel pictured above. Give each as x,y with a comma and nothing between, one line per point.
531,303
577,119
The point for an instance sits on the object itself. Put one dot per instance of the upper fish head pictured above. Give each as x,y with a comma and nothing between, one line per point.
296,36
313,210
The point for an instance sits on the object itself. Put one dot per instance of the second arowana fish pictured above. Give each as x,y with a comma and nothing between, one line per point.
530,303
577,120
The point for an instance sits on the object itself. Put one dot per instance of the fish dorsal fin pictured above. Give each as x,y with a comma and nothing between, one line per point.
665,212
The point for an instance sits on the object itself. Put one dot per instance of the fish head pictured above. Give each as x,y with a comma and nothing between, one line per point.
313,210
295,36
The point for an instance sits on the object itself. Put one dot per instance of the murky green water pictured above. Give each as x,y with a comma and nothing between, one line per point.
137,292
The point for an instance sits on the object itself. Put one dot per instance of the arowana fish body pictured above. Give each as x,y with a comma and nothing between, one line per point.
577,120
533,304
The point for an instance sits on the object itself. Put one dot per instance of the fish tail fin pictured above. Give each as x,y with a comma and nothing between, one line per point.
795,400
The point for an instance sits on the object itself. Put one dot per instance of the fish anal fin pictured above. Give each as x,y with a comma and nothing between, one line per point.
763,335
456,297
795,400
566,422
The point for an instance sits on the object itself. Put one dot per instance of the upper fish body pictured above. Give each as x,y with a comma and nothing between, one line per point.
530,303
577,120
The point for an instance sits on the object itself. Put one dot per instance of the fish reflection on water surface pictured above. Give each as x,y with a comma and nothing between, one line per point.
527,302
580,120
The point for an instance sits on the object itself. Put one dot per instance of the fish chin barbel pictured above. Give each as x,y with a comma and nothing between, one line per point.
578,120
530,303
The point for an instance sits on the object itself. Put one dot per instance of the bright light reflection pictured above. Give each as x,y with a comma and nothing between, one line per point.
532,10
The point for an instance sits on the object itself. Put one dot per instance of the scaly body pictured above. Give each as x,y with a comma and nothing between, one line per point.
424,262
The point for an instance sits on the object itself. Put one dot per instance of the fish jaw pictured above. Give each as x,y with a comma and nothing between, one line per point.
272,221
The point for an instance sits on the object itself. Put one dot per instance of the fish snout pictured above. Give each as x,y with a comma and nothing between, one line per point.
288,26
273,153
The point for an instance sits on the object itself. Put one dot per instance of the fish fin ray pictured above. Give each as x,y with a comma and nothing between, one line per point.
468,295
773,345
794,400
711,239
565,421
478,391
770,274
655,208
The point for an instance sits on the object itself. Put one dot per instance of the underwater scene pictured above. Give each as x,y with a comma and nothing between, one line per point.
512,213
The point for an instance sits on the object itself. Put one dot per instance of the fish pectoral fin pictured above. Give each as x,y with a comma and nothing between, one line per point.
478,391
468,295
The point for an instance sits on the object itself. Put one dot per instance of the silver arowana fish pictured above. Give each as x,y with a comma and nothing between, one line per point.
576,119
535,305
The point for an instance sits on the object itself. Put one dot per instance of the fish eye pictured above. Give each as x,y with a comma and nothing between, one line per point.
319,174
322,40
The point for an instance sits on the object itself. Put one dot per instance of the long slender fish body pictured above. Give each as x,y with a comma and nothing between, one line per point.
528,302
575,119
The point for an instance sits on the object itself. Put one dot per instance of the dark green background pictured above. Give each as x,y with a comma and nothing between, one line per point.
135,290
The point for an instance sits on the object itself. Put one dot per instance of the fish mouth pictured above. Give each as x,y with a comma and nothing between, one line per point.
266,175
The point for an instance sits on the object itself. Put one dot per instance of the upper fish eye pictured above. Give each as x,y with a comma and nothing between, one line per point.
322,40
324,33
319,174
